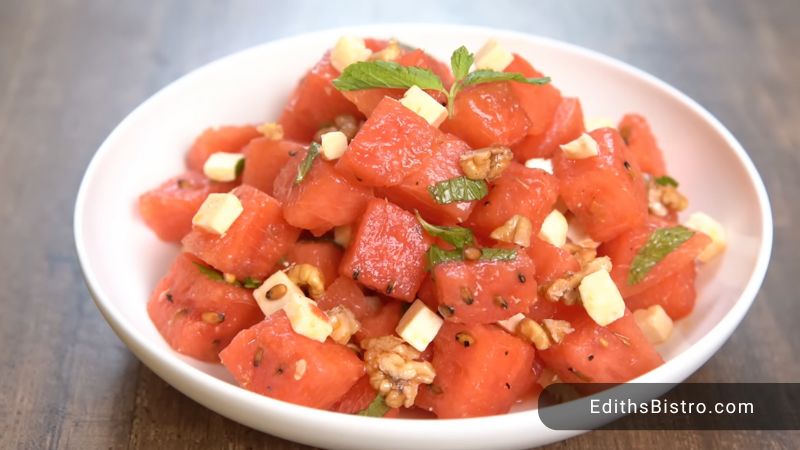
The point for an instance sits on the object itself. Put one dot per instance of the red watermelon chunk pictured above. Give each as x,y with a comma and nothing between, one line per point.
324,255
264,359
253,244
606,193
642,144
675,293
264,159
382,323
624,248
169,208
387,251
196,315
485,291
551,262
519,190
594,354
483,379
443,164
229,139
392,144
538,101
314,103
488,114
567,125
323,200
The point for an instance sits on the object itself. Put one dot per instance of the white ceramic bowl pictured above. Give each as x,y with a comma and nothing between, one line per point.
122,259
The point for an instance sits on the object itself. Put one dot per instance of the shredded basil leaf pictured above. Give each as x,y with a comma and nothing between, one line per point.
210,273
377,408
385,74
305,166
460,237
666,180
461,61
498,254
460,189
660,243
490,76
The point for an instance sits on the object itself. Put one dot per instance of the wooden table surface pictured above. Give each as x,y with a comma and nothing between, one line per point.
70,70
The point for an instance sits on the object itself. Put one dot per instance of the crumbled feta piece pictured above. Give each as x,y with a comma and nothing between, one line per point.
493,56
554,229
582,147
307,319
424,105
511,323
333,145
419,325
218,212
222,166
540,163
593,123
703,223
349,50
654,323
276,292
601,298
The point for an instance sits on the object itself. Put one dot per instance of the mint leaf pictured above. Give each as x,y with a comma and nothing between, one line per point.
661,243
490,76
210,273
251,283
437,255
305,166
460,189
385,74
460,237
377,408
239,167
666,180
460,61
498,254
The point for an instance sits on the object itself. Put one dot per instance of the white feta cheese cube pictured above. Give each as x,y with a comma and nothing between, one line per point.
554,229
540,163
333,145
654,322
424,105
511,323
582,147
419,325
349,50
703,223
271,297
601,298
307,319
222,166
218,212
593,123
493,56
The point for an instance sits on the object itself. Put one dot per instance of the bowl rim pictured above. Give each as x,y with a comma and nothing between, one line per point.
169,367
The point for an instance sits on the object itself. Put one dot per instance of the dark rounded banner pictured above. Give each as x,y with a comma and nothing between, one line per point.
687,406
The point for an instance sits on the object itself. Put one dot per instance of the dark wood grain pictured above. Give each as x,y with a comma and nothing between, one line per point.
70,70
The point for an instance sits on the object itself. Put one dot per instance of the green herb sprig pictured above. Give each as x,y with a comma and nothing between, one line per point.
661,243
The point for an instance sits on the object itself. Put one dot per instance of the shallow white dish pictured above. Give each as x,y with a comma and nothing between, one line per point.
122,259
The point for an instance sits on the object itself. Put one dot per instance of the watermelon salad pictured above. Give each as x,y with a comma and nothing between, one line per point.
411,235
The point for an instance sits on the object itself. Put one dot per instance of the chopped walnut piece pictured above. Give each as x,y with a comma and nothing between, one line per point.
486,163
582,254
557,329
272,131
663,199
534,333
395,371
344,324
345,123
308,275
516,230
566,289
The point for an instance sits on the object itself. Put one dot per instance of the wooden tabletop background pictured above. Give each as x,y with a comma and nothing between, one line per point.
71,70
